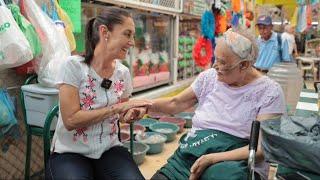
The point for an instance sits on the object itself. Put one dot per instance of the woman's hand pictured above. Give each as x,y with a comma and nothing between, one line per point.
126,106
134,114
201,164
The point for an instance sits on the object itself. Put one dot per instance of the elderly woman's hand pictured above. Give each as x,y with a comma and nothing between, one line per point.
137,103
202,164
134,114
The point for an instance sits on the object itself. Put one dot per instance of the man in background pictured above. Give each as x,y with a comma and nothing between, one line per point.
271,48
288,35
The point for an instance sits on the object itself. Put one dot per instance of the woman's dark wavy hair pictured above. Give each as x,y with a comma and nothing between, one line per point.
109,17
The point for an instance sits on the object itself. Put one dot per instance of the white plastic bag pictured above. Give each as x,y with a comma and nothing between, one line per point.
15,49
54,43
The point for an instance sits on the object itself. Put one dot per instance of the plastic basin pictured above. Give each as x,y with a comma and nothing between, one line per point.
175,120
137,128
154,140
186,116
168,129
156,115
124,136
139,151
146,122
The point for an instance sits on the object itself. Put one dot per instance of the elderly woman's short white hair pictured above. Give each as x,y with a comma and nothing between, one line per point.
244,47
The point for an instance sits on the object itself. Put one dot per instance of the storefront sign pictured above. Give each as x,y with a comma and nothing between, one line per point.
73,9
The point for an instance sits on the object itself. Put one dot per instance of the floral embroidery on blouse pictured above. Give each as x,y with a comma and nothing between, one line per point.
86,103
89,94
119,87
81,132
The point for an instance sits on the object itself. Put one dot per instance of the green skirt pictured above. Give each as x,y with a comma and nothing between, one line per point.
201,143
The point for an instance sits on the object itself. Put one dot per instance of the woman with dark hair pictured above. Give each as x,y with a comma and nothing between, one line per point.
93,94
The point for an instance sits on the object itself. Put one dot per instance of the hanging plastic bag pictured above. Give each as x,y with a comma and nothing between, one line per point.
68,25
293,142
15,50
54,44
7,118
27,29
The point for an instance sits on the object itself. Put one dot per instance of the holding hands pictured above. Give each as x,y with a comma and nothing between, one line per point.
134,110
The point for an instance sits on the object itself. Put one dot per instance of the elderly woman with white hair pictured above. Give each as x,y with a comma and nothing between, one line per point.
230,96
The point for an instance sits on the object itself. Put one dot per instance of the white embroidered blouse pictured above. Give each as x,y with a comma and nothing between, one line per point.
91,141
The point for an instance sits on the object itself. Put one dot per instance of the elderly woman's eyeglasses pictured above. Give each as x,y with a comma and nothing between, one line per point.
223,68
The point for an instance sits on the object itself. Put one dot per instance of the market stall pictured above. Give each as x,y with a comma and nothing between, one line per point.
151,60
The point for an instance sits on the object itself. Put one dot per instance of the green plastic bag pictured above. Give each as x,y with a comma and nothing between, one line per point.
27,29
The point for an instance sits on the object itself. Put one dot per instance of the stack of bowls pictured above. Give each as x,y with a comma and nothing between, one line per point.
146,122
124,136
137,128
139,151
154,140
168,129
186,116
175,120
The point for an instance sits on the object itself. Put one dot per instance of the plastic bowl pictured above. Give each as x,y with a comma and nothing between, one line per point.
137,128
124,136
186,116
156,115
154,140
168,129
146,122
175,120
139,151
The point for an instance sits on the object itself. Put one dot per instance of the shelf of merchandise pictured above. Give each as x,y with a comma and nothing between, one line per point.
186,66
151,61
161,6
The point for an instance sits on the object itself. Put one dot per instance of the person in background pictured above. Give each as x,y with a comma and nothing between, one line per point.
230,96
288,35
271,48
93,94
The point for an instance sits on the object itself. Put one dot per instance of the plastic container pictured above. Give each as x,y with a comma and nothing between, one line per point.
175,120
156,115
137,128
139,151
38,102
124,136
146,122
290,79
186,116
168,129
154,140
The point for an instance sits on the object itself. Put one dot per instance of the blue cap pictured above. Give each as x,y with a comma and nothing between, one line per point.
264,20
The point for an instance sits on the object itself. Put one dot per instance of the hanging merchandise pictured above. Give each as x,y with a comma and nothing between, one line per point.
7,109
208,25
235,20
15,49
294,19
236,6
221,23
68,25
302,18
218,4
202,52
27,29
309,15
54,44
30,33
314,2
